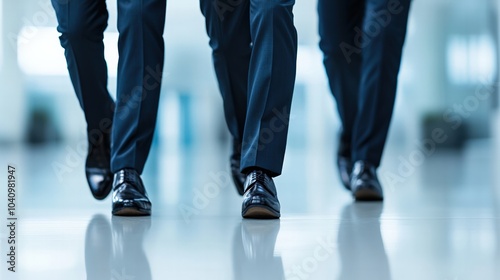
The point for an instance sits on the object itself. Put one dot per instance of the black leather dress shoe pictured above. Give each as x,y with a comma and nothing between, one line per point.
238,177
365,185
344,165
97,169
129,194
260,200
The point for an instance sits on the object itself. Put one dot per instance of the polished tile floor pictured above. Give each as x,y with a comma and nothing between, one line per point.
440,221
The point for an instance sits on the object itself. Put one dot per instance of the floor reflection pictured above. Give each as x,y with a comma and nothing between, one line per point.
253,251
361,247
116,251
443,228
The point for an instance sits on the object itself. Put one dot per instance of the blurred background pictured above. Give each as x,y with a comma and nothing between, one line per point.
451,52
449,80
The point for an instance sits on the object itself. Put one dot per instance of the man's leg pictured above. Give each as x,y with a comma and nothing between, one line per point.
140,67
82,24
271,84
384,29
228,26
339,23
270,89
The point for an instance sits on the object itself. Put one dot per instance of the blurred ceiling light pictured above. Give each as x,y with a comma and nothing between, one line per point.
40,54
471,59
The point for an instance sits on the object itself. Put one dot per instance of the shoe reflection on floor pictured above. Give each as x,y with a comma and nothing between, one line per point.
361,247
116,251
253,251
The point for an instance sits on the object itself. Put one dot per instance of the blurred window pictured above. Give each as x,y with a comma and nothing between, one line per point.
40,53
471,59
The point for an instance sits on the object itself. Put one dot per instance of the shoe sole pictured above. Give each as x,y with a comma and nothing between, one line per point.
367,195
102,196
131,211
260,212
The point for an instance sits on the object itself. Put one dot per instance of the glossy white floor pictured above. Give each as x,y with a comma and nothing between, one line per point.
441,221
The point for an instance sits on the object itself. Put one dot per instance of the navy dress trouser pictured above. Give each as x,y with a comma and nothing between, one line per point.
362,42
141,53
254,45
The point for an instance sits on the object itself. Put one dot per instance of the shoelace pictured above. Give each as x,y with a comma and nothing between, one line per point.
126,176
259,177
130,176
